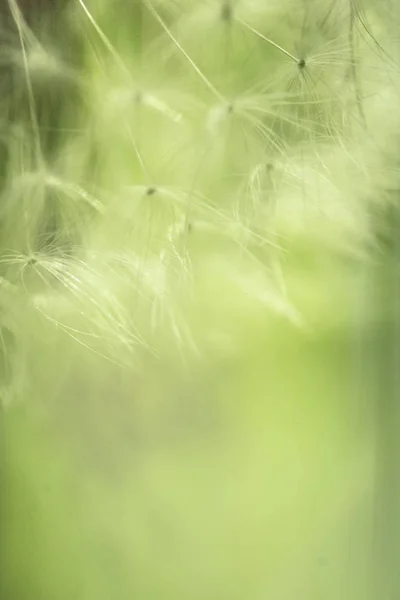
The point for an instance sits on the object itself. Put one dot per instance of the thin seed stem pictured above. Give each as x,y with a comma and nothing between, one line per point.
208,83
105,39
263,37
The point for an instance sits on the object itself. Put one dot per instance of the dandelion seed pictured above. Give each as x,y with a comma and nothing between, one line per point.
301,64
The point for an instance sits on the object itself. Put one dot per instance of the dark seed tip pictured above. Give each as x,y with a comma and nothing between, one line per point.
226,12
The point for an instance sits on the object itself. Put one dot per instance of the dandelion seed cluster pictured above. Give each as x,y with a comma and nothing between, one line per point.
182,181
